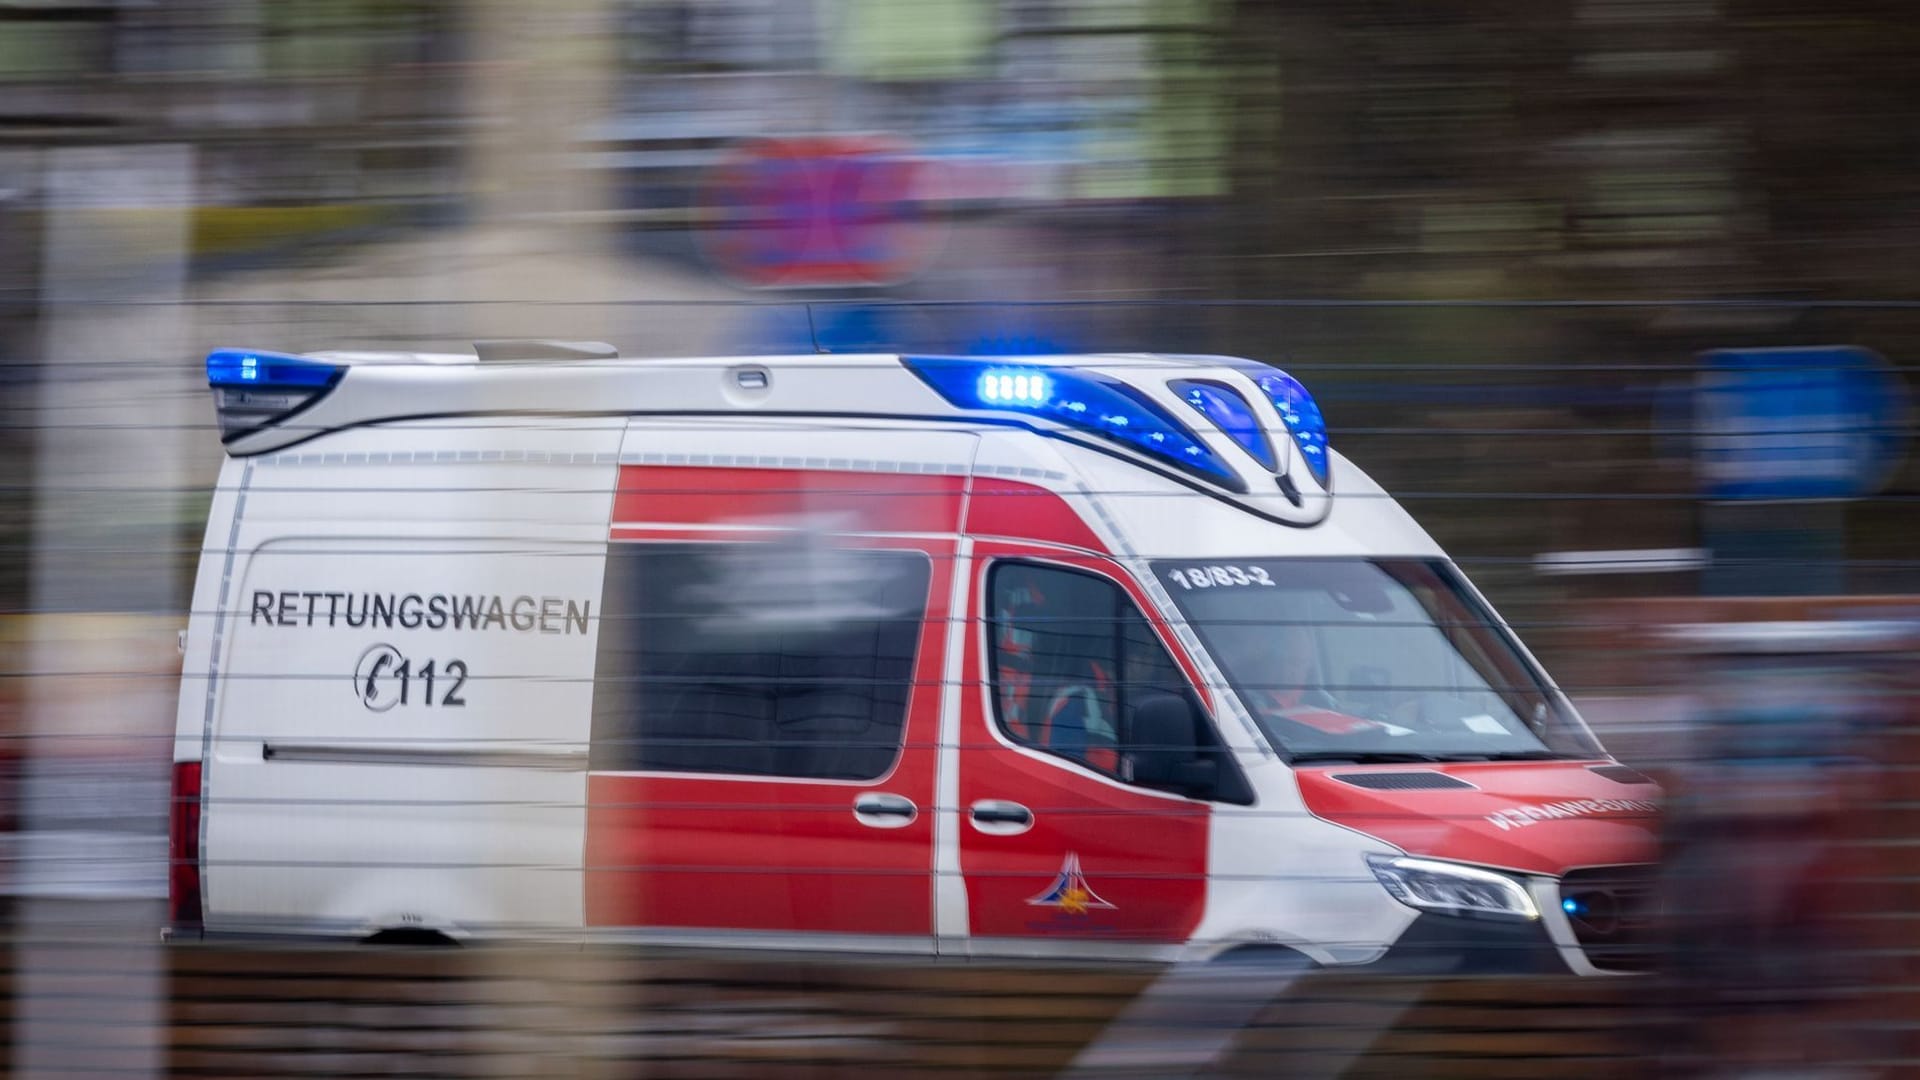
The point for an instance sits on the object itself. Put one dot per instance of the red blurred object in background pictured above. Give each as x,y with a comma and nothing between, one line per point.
822,211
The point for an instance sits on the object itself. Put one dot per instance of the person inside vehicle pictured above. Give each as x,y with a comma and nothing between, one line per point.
1283,673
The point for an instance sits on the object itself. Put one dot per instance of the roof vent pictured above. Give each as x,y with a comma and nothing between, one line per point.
1420,780
491,352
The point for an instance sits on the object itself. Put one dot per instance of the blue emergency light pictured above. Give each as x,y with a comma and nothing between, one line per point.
1231,413
254,390
235,367
1302,415
1015,387
1083,400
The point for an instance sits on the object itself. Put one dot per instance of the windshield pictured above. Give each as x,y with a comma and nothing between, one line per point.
1354,659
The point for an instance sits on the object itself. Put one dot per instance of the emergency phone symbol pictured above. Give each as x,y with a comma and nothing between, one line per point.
376,678
384,678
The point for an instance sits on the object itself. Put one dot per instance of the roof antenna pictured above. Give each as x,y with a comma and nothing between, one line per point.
813,333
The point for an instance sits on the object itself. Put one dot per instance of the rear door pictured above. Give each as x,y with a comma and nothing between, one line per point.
398,733
1058,848
767,699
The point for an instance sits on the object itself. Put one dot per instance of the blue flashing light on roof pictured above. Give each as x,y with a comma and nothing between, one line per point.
254,390
1302,415
235,367
1231,413
1015,387
1078,399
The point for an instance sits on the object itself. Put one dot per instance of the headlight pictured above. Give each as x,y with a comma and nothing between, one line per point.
1451,888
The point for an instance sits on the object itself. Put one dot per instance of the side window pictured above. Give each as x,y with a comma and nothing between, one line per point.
1073,662
756,659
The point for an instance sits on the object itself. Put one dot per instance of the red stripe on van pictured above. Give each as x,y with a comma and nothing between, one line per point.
841,501
183,847
1020,511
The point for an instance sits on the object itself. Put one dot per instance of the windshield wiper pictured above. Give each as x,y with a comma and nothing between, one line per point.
1362,757
1528,755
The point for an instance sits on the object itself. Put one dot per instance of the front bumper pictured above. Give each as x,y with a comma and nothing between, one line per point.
1435,944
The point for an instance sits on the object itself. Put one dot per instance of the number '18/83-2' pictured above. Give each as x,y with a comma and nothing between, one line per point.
1220,576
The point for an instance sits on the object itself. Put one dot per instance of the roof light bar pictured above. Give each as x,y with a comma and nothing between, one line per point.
1015,387
254,390
1083,400
235,367
1302,415
1230,412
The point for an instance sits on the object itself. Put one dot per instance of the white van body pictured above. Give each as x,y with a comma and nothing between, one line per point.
812,652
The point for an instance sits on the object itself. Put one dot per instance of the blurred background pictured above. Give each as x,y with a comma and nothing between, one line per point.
1617,296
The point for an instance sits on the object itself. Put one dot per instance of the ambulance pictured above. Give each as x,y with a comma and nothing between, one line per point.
1089,657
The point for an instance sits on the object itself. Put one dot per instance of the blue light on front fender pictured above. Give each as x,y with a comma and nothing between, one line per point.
1083,400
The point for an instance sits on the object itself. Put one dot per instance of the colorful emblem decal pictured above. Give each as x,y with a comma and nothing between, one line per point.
1070,891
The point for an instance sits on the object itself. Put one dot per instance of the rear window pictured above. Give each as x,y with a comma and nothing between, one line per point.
756,659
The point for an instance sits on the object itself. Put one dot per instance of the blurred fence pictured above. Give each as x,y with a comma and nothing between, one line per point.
521,1012
617,1012
1507,429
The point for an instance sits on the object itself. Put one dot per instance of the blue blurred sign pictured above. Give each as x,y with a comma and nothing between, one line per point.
837,327
834,328
1823,422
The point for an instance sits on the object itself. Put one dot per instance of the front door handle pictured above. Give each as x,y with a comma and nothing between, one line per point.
1000,817
884,811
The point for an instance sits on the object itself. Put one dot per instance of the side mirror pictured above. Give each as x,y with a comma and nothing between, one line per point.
1162,750
1198,777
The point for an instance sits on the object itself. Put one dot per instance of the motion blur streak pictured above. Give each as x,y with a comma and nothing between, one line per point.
1616,296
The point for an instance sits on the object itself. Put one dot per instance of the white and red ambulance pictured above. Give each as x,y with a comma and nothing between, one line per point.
1087,656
